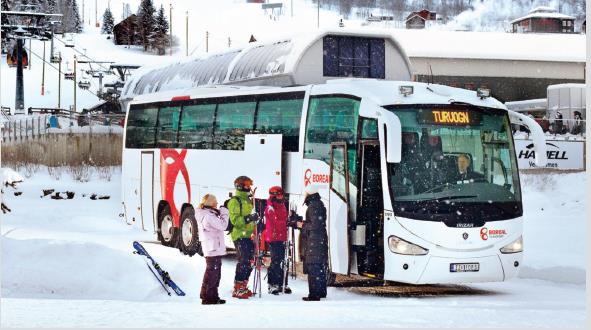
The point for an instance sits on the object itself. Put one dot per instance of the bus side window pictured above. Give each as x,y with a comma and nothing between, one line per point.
332,119
281,117
196,128
232,122
168,123
141,128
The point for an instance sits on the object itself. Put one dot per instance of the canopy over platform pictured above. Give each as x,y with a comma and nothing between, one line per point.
302,60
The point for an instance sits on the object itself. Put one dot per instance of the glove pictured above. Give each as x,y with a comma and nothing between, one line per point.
251,217
224,211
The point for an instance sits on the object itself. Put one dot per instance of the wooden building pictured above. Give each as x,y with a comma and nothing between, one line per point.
544,20
418,19
126,32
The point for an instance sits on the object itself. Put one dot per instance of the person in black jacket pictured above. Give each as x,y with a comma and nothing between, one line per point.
316,244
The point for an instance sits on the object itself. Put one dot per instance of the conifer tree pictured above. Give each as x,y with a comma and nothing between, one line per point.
108,22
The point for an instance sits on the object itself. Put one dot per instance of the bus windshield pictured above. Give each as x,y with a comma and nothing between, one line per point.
458,166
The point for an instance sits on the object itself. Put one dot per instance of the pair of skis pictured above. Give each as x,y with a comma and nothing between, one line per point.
161,275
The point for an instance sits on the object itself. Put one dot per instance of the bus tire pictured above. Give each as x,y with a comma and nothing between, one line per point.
167,234
189,243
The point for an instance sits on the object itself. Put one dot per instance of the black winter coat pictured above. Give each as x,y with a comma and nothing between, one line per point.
315,238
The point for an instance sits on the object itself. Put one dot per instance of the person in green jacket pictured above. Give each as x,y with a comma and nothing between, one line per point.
240,208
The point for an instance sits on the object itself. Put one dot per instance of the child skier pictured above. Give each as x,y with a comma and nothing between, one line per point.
276,235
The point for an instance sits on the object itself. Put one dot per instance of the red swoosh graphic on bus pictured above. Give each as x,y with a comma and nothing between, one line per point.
169,171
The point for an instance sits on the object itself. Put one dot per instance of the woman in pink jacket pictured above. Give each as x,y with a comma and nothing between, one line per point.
211,224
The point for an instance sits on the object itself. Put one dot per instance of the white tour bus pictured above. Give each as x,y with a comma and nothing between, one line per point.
385,155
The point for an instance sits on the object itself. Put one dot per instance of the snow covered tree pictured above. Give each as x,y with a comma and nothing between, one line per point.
5,7
76,21
108,22
52,7
160,37
146,22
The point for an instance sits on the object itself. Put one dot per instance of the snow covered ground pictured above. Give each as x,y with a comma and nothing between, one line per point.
69,263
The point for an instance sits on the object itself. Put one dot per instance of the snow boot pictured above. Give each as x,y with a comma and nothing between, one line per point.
239,290
213,302
310,298
274,289
246,289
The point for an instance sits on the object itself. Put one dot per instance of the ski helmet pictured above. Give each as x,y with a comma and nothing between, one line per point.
243,183
276,192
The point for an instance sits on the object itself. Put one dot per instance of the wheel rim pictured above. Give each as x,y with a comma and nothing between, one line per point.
166,228
187,232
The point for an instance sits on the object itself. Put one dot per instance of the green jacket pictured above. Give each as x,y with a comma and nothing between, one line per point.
241,229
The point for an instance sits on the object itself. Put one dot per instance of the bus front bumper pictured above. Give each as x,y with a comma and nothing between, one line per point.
453,270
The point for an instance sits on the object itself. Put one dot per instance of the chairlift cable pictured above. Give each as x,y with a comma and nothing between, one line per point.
56,69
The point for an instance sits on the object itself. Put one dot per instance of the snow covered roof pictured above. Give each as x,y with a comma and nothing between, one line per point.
493,45
528,105
543,12
285,62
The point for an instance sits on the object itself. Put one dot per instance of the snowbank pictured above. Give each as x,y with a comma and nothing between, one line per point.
555,244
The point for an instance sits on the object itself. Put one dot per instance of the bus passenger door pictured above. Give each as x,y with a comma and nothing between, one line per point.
370,255
338,212
147,191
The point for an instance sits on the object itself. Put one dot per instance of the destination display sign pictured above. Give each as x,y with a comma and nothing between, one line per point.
451,117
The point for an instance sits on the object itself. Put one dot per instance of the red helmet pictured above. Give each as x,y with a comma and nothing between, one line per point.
276,191
243,183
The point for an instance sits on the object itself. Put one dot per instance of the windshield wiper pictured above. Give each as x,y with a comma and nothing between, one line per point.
446,198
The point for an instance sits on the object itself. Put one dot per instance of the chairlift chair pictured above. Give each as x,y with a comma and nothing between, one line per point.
84,84
56,58
69,42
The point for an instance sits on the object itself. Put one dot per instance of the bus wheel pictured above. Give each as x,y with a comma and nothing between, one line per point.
167,234
189,239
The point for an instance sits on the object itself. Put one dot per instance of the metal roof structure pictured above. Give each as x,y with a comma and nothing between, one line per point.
288,62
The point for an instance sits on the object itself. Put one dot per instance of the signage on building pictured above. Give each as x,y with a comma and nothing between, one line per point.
562,155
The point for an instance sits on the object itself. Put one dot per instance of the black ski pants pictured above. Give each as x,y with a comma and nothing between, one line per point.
316,280
275,273
244,253
211,279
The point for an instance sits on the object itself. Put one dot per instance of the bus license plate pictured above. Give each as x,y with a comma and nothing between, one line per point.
468,267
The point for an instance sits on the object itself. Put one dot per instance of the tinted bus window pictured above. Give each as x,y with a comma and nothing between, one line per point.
281,117
141,128
332,119
232,122
168,124
196,129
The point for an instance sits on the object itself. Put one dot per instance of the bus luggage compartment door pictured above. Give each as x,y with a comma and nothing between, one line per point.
147,191
338,214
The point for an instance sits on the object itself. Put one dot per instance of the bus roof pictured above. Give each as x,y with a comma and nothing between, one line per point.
379,91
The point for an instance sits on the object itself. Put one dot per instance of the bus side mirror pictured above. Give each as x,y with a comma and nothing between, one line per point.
537,135
390,128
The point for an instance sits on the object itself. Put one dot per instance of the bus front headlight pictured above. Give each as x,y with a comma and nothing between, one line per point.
513,247
400,246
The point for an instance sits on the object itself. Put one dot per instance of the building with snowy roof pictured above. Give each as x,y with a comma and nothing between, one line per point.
303,60
544,20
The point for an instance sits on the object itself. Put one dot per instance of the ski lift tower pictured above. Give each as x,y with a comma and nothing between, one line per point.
25,24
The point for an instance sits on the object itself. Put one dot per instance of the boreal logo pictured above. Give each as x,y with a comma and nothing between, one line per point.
556,154
171,163
486,233
310,178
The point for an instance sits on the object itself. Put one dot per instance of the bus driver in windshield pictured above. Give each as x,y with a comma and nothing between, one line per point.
464,172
